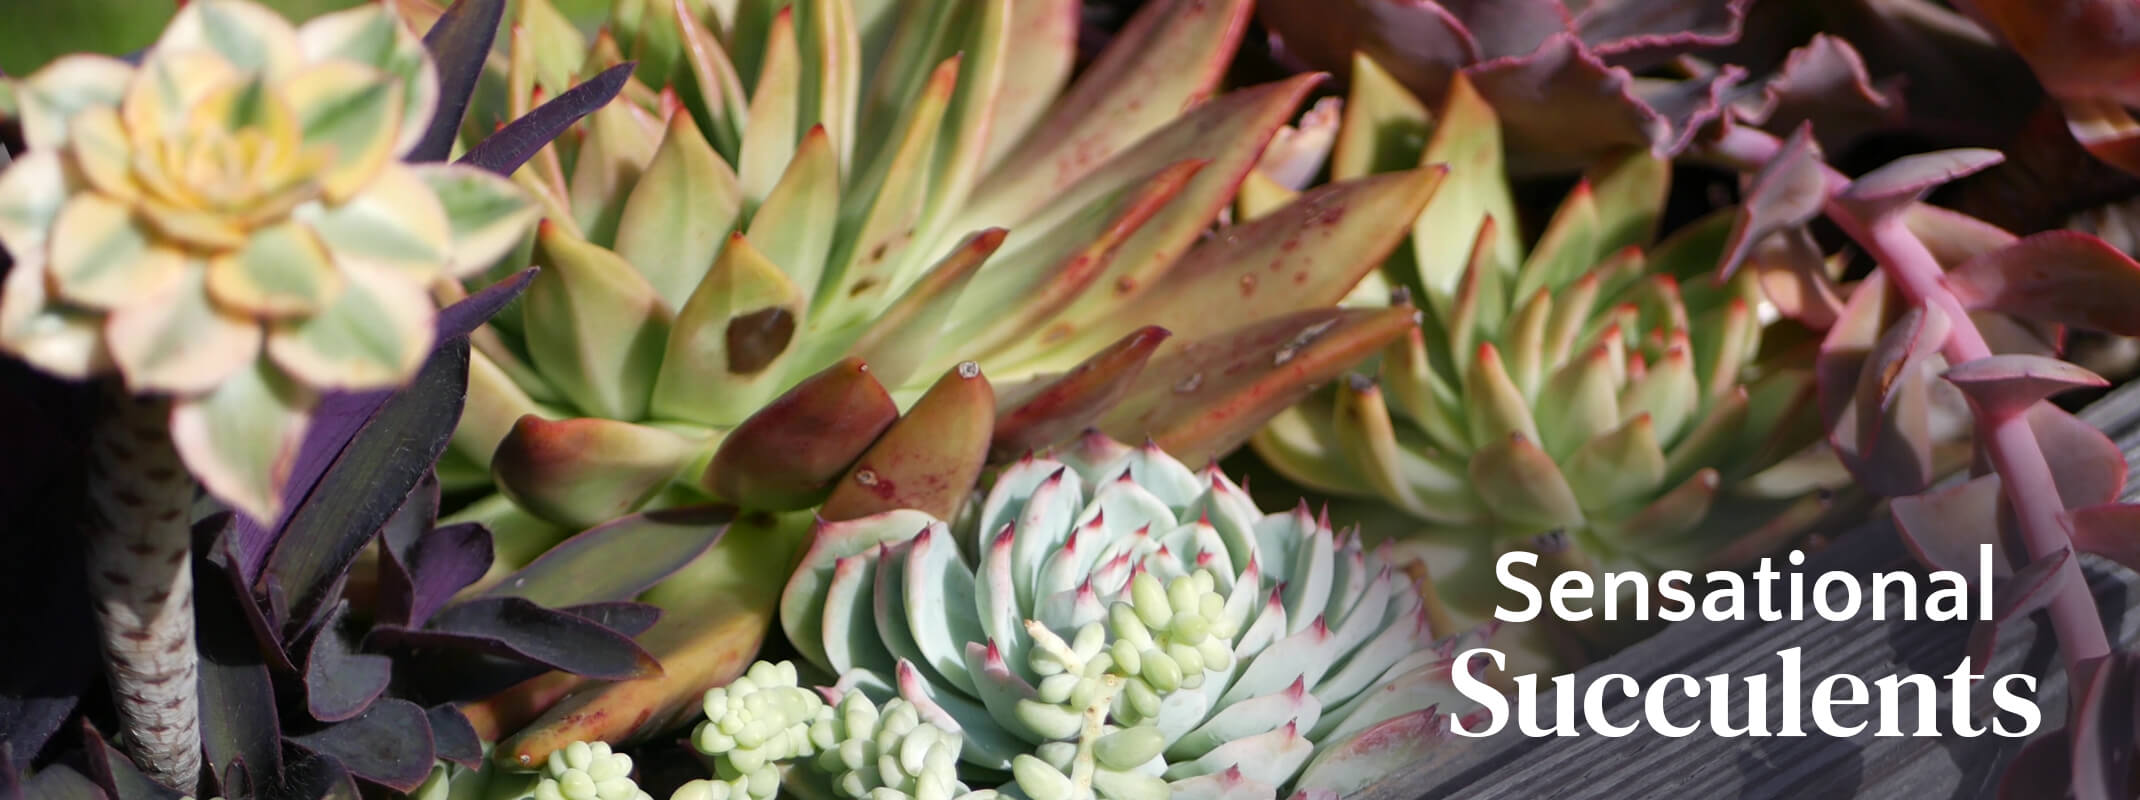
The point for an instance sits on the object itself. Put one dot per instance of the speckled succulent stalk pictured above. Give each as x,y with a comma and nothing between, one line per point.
1587,395
228,227
1110,623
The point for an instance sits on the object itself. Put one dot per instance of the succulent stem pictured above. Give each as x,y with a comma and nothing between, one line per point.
2025,475
141,574
1086,763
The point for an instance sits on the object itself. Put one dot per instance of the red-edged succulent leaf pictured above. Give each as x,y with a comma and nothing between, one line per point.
416,582
1906,180
389,744
788,454
1414,739
2065,277
2001,386
2087,466
581,471
618,559
1638,33
928,460
2014,598
453,737
1946,527
1201,399
2107,130
1786,193
340,680
1561,105
2110,530
1056,408
511,146
512,627
2103,727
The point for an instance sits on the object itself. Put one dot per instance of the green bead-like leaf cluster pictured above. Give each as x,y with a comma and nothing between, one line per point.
888,753
755,723
583,771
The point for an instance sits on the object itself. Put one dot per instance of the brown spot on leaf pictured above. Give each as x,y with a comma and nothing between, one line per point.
757,338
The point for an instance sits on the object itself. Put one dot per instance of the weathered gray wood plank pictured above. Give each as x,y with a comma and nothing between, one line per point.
1650,765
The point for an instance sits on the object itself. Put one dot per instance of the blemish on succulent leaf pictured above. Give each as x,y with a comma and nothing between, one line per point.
757,338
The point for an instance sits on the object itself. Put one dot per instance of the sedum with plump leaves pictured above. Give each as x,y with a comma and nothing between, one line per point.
1110,623
230,224
1587,395
782,193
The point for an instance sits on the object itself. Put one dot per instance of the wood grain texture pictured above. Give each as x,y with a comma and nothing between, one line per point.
1649,765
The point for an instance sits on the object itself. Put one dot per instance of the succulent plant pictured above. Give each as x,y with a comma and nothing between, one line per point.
1585,395
1107,622
778,198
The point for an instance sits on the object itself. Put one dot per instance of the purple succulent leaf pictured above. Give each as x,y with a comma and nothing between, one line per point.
1508,28
2001,386
444,561
375,476
1562,89
341,415
454,737
389,744
60,782
340,681
1824,83
511,146
2087,466
2079,49
223,542
1694,110
2110,530
10,777
2014,598
617,559
1878,417
459,43
1643,33
2043,768
1906,180
1421,44
311,776
628,618
2103,727
514,628
1786,193
413,520
2063,277
239,722
116,774
1945,527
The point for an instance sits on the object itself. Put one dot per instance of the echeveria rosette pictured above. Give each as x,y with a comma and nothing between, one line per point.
1110,623
780,195
229,224
1591,394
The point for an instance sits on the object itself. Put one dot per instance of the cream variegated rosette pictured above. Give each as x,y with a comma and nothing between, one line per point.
231,224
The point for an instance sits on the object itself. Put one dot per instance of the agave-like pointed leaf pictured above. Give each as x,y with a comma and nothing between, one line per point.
907,332
1054,408
581,471
878,223
789,227
2057,276
1786,193
1467,139
617,560
724,355
1385,127
1203,398
676,217
929,458
1521,483
1170,57
594,326
789,453
770,126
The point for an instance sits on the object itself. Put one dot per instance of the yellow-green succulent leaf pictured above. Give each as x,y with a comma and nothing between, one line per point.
1385,127
248,35
49,98
1578,403
728,351
240,439
282,271
1523,486
1525,342
349,114
48,334
397,223
495,401
1629,193
370,35
558,47
1667,391
1467,138
1567,248
595,328
790,227
718,90
1494,406
102,256
878,217
1625,465
683,208
178,340
770,128
620,142
903,338
1043,35
831,73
